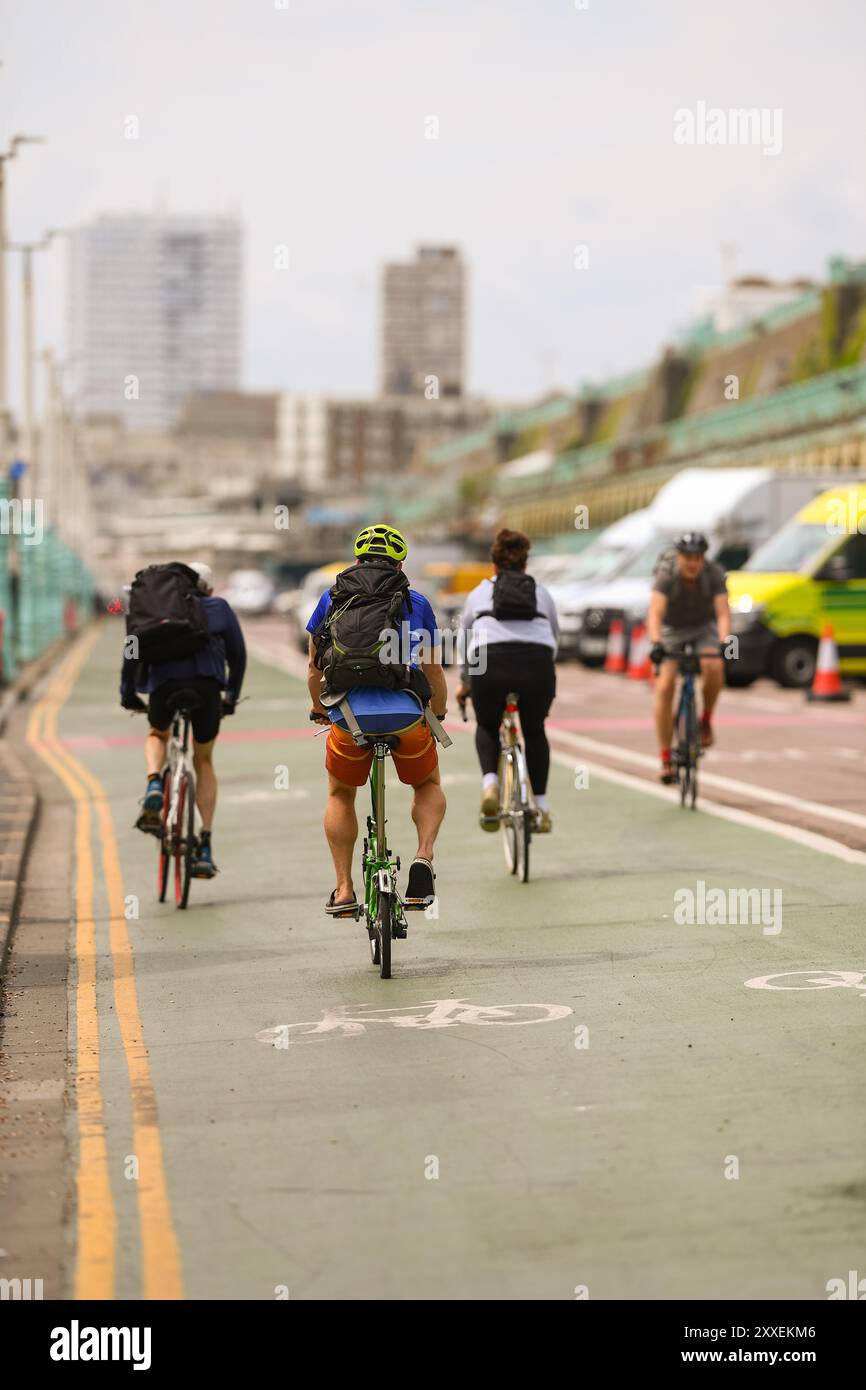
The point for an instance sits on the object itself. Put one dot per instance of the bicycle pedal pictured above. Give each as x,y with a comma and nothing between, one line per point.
416,904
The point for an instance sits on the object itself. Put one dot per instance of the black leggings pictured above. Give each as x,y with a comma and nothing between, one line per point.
528,669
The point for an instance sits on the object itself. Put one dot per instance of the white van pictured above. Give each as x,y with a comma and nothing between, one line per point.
601,560
736,508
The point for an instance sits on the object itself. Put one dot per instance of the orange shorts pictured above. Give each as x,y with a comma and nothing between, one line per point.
415,757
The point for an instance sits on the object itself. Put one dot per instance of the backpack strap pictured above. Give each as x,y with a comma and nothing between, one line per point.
435,728
340,701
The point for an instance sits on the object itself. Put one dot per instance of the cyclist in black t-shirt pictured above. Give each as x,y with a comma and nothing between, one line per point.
689,603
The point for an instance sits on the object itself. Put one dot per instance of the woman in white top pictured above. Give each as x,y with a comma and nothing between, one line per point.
511,633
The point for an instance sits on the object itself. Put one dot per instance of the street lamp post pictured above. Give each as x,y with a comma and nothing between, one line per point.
14,144
28,331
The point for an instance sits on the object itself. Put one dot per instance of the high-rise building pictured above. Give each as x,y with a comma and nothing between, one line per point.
423,323
154,314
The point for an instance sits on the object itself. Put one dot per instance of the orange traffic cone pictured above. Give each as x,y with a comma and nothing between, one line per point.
615,659
639,664
827,684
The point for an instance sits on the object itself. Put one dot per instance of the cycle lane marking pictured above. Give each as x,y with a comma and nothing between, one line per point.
160,1255
351,1020
95,1216
818,979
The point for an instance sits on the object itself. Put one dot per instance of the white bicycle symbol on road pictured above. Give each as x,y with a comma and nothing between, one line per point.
349,1020
818,979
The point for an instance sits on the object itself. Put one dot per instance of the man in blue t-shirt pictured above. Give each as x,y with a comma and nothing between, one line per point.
383,711
216,674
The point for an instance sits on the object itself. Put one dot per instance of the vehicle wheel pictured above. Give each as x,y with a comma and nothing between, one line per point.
592,661
793,662
164,842
507,823
735,680
383,933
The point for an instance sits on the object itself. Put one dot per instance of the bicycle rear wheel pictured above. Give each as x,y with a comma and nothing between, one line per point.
383,933
164,838
523,836
507,824
184,840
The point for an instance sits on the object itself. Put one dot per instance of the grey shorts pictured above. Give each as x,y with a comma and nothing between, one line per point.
703,639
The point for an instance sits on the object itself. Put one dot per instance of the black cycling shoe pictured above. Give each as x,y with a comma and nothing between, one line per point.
421,888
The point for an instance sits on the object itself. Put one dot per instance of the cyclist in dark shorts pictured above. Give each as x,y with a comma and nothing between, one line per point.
218,692
689,603
519,655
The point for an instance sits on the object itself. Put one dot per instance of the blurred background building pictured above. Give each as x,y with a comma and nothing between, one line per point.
423,323
156,298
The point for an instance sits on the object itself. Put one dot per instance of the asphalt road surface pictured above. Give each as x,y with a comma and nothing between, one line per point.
568,1089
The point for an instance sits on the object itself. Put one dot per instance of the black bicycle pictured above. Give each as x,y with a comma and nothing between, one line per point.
687,748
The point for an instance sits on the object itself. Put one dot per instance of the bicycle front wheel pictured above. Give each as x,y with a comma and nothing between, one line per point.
507,822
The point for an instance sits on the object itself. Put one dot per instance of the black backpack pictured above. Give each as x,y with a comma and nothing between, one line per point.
513,597
368,602
165,613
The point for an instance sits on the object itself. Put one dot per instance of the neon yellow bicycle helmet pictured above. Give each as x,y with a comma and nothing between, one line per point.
381,540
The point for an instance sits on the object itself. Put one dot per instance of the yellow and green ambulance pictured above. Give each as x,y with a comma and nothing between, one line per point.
810,574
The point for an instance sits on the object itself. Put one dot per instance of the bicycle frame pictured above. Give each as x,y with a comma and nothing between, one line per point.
179,762
177,836
687,751
380,869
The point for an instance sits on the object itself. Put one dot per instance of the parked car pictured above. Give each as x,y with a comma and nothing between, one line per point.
307,595
250,592
602,559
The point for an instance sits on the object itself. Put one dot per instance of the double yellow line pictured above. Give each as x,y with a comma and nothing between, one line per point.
96,1218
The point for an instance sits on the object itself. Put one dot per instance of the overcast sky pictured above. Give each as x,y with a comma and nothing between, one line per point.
555,129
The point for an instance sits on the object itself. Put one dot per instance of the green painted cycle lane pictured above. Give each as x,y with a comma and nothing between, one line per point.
442,1152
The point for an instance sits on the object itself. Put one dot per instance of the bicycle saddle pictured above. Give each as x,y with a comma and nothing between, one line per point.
390,740
183,699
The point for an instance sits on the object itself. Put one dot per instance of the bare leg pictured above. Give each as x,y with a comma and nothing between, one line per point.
154,750
713,680
664,703
341,829
205,782
428,810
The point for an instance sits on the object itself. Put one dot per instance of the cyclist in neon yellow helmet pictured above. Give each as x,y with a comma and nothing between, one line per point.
387,684
381,540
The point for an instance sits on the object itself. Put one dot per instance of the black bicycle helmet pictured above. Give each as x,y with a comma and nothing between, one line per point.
692,543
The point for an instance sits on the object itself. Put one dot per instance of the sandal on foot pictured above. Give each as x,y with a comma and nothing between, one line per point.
347,909
421,889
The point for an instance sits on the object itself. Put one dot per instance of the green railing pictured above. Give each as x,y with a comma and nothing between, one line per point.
55,594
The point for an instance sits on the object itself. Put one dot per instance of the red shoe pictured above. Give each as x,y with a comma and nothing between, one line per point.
707,739
667,774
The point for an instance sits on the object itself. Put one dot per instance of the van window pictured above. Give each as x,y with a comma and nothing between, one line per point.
732,557
791,551
644,563
852,556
